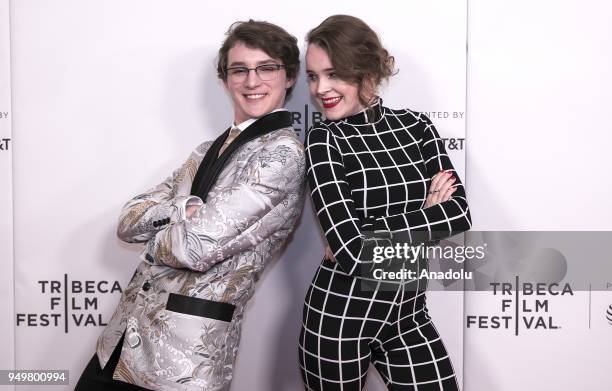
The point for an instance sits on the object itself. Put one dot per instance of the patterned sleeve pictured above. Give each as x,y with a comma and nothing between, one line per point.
148,213
239,217
331,197
441,220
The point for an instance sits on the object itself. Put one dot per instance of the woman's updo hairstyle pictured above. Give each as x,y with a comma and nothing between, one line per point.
356,53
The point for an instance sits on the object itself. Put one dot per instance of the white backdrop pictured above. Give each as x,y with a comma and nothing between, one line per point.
6,200
539,97
110,96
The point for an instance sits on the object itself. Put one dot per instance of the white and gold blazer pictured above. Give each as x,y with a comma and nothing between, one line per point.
182,310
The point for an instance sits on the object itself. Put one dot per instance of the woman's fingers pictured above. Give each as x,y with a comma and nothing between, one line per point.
432,194
439,188
436,179
444,187
329,255
449,192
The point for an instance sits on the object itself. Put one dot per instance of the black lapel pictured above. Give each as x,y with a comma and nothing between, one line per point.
211,165
208,161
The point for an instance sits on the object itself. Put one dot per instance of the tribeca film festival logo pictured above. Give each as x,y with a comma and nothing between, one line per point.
524,307
71,303
302,120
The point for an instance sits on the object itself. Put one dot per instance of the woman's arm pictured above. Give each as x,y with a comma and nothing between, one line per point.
345,233
331,197
440,220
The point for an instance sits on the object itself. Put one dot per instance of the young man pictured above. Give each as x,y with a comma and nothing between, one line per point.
209,230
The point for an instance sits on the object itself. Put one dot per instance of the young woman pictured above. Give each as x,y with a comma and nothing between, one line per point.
371,169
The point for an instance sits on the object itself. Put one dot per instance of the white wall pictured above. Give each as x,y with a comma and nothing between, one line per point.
539,97
6,200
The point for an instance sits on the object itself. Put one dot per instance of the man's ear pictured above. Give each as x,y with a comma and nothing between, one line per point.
289,83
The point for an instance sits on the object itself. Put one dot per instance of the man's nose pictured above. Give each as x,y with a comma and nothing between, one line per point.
252,79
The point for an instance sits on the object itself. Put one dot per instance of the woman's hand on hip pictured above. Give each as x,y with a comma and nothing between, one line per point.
329,255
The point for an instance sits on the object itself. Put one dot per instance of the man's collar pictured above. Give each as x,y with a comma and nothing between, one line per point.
213,162
245,124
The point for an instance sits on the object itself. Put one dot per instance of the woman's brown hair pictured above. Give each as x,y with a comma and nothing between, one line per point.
355,52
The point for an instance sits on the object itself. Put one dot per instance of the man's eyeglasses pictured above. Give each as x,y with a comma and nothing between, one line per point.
265,72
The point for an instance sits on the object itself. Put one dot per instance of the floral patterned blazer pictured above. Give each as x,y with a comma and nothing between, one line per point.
182,310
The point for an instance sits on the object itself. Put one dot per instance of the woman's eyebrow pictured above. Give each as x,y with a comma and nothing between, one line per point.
324,70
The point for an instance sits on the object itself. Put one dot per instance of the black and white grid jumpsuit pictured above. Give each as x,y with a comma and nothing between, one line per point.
373,176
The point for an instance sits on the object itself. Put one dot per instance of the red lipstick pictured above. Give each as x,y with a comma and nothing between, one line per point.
329,103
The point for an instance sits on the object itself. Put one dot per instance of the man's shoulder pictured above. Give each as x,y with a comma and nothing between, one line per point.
203,147
281,149
284,137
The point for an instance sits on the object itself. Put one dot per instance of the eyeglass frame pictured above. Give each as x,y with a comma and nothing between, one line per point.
278,68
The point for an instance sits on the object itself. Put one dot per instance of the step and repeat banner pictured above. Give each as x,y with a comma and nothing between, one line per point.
108,98
101,100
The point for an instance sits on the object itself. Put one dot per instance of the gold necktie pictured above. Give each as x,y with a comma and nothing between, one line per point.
230,137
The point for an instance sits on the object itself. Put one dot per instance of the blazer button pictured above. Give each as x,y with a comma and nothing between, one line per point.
146,286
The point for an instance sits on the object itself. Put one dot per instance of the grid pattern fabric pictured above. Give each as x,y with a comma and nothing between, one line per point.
373,175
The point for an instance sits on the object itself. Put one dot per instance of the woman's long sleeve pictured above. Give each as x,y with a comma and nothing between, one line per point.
331,196
441,220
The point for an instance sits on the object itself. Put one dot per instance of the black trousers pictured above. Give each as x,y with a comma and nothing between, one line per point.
94,378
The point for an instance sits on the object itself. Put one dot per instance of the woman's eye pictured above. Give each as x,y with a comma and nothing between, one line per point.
311,77
332,75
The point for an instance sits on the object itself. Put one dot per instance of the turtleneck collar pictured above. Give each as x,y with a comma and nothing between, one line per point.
366,116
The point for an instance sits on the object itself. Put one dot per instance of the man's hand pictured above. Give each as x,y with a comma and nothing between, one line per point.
191,209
